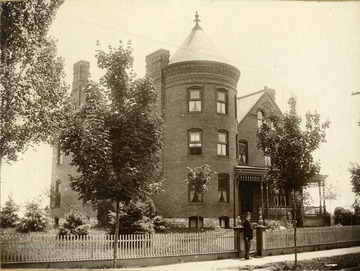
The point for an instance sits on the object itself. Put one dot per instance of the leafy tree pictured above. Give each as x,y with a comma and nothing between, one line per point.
116,136
290,149
76,224
198,180
32,88
8,215
355,177
34,220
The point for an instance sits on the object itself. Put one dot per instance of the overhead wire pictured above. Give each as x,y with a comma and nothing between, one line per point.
166,43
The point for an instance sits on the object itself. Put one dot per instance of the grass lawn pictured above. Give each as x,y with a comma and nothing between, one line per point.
341,262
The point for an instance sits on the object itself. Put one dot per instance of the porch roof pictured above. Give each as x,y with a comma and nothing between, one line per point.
245,169
260,171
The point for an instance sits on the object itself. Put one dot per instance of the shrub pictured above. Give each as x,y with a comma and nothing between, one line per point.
342,216
138,217
8,214
34,220
76,224
159,223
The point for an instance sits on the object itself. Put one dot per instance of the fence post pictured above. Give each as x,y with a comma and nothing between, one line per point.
260,240
239,244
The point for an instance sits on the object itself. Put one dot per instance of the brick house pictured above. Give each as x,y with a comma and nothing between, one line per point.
206,121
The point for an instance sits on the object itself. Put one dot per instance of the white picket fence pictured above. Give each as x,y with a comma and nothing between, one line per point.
45,248
311,236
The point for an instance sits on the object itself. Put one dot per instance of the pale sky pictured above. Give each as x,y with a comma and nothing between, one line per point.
310,49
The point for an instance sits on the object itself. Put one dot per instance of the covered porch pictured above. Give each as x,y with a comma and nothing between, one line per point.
254,195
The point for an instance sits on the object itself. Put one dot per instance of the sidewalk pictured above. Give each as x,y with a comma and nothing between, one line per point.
236,264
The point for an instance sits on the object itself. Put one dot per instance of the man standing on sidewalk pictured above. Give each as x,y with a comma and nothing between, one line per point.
248,234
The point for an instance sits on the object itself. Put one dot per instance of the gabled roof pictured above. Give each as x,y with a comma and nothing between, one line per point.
197,46
246,103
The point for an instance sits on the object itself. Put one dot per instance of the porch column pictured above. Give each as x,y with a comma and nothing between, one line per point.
323,185
236,193
262,196
267,199
319,184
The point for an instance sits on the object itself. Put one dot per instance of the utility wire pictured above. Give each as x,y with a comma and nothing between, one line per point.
164,43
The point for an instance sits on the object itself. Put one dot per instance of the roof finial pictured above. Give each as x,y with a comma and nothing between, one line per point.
197,20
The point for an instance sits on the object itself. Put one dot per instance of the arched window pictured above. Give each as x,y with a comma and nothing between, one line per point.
223,187
260,118
222,101
195,142
194,99
223,143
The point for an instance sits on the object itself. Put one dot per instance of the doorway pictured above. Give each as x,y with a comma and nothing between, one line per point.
247,197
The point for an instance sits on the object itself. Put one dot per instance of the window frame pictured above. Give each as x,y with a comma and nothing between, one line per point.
220,143
195,219
59,155
224,185
195,130
226,219
200,196
246,143
261,120
224,102
190,89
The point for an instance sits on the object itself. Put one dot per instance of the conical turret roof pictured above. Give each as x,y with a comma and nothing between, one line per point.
197,46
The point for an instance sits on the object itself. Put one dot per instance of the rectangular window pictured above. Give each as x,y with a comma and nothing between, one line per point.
222,147
195,144
223,188
243,152
194,100
195,197
194,220
224,222
267,160
59,155
222,102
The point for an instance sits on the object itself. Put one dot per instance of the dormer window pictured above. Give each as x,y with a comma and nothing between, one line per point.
260,118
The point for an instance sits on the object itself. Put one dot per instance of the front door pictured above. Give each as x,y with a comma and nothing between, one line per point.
246,197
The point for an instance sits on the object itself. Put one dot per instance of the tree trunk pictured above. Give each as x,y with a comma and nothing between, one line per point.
0,172
117,210
295,222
